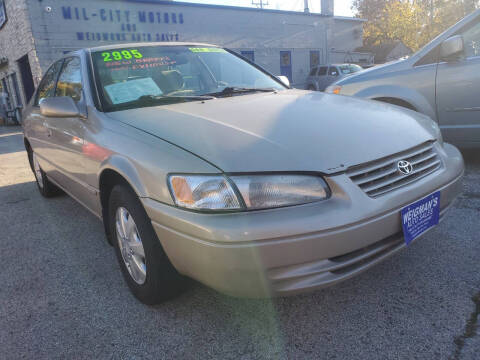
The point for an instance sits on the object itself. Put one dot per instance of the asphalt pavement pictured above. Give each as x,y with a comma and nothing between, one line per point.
62,295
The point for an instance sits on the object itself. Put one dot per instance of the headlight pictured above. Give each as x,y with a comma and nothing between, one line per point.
271,191
203,192
333,89
246,192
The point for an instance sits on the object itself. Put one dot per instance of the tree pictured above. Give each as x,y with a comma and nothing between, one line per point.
415,22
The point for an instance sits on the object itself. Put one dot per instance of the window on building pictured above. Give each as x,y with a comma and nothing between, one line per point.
250,55
46,88
322,71
70,80
314,58
285,58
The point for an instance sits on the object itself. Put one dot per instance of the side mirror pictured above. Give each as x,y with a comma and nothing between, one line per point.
284,80
60,107
452,47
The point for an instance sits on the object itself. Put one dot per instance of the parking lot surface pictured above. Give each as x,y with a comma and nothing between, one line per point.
62,294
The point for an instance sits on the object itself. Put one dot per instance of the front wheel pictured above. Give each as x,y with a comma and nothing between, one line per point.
145,266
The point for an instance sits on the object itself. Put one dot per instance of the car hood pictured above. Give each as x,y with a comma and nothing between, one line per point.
377,70
291,130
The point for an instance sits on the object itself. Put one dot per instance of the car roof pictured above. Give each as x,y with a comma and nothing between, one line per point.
143,44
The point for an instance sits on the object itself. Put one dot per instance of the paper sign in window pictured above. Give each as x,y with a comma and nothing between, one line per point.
127,91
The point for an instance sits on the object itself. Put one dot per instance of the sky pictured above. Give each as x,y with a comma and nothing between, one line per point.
342,7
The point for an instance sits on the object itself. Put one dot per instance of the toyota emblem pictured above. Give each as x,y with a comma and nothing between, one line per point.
404,167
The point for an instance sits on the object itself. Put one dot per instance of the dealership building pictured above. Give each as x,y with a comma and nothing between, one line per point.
34,33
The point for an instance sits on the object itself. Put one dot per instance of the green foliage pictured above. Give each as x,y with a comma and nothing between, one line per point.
415,22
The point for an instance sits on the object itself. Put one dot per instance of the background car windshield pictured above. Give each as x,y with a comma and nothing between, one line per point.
349,69
126,75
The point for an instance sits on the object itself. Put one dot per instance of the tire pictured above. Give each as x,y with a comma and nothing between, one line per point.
311,88
145,266
45,187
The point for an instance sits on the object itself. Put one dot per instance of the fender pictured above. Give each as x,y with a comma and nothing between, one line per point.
411,96
127,170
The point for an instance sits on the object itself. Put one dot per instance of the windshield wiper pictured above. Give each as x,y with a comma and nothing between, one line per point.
168,98
233,90
151,100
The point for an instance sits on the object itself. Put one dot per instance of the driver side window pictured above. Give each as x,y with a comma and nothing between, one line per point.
70,80
46,88
471,38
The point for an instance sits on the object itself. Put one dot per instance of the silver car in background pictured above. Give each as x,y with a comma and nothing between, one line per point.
322,76
202,165
442,80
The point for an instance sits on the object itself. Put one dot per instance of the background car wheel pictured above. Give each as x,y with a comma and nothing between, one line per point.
311,88
46,188
145,266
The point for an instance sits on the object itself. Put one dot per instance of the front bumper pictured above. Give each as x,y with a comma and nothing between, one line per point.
291,250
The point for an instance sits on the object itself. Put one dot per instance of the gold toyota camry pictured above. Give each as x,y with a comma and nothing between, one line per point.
201,164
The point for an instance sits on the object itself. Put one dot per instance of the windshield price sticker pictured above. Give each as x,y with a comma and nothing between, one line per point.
207,50
419,217
121,55
127,91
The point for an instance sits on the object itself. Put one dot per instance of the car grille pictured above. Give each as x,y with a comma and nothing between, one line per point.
381,176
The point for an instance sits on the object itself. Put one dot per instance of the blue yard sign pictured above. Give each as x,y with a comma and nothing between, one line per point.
419,217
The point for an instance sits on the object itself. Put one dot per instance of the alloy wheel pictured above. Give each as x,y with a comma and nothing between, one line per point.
131,246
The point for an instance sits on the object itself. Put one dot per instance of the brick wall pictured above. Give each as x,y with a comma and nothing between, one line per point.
16,40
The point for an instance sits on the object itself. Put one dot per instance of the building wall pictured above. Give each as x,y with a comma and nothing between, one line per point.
66,25
16,40
347,35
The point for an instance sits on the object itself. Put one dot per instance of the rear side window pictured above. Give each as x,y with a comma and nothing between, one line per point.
70,80
333,71
313,71
322,71
46,88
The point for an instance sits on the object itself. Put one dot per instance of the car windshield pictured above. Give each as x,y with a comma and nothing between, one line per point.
158,75
349,69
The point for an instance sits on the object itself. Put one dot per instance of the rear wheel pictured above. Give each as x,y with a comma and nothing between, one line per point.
45,186
145,266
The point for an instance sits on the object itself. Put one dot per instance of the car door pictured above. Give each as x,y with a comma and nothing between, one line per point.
311,79
67,133
321,78
35,130
331,77
458,89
